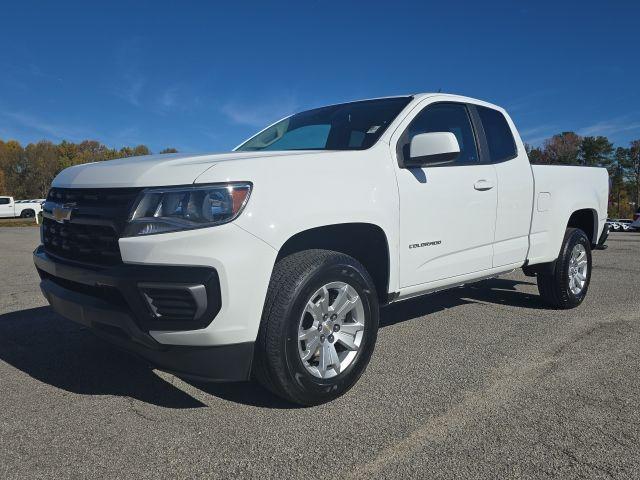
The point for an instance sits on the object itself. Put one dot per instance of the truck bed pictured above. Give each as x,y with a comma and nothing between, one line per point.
559,191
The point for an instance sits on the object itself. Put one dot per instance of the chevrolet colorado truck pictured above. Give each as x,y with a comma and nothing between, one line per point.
10,208
271,262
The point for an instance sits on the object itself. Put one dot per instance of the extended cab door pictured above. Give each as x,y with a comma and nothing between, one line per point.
6,207
447,212
515,186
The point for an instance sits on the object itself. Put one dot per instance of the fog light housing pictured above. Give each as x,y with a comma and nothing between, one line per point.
173,301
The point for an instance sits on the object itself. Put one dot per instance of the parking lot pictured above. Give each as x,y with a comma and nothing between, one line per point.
478,382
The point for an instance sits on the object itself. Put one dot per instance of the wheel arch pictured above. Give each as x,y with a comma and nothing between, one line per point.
585,219
366,242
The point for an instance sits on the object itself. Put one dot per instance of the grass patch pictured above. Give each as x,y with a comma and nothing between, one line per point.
19,222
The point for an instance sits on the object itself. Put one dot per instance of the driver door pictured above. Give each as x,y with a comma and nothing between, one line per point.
447,212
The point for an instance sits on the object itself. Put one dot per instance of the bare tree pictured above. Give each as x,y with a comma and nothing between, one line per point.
563,148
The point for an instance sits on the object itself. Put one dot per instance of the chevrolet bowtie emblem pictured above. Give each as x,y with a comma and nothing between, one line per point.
62,213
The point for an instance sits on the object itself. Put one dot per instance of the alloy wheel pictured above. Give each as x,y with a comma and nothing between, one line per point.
331,330
578,269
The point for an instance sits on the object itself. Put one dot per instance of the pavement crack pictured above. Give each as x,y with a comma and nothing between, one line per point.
132,408
510,380
584,463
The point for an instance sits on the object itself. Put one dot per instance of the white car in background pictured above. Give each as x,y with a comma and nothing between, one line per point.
626,225
10,208
614,226
636,220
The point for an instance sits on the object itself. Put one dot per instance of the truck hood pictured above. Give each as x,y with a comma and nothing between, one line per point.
154,170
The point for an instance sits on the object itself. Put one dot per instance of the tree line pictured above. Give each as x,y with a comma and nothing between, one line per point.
623,164
26,172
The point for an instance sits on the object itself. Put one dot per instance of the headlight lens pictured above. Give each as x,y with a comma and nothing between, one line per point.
161,210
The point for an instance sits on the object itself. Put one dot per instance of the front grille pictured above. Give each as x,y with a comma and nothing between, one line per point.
97,220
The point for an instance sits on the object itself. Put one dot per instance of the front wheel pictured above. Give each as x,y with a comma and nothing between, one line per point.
567,285
319,327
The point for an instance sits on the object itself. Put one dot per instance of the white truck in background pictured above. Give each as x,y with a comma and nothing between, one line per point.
271,261
10,208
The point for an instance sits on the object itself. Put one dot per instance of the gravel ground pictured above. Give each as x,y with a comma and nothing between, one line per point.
478,382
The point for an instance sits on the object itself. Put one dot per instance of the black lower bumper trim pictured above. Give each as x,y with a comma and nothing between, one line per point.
120,286
116,324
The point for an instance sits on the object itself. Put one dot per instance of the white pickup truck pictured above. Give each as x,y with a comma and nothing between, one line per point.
10,208
271,261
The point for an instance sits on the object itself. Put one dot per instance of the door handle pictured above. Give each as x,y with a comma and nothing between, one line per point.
483,185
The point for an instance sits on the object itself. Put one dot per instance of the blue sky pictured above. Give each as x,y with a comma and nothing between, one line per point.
201,76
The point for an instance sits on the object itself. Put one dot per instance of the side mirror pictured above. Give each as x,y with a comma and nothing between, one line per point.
435,148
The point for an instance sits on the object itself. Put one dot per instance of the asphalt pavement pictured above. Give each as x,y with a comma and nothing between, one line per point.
477,382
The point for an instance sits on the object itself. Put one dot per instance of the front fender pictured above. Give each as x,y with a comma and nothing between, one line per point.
294,194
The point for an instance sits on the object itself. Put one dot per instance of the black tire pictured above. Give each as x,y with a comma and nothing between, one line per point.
554,288
277,364
27,214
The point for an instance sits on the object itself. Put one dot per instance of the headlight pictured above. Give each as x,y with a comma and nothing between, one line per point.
160,210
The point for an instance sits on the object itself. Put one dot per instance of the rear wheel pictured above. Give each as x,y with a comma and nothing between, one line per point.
319,327
567,285
28,214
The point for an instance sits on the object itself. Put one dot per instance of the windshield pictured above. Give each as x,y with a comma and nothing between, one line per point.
348,126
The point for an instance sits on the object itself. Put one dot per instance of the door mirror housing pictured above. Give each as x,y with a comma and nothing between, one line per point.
434,148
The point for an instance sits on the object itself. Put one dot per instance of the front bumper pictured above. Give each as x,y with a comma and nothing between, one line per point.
109,302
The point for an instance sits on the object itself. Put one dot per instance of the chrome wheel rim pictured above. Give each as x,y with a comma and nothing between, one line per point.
578,269
331,329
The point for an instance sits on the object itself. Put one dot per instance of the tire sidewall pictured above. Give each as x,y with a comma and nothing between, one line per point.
313,389
577,236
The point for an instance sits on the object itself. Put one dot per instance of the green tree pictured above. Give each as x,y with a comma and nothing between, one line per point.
617,174
596,151
633,169
169,150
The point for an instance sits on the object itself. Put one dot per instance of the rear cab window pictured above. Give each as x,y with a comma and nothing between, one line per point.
502,145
